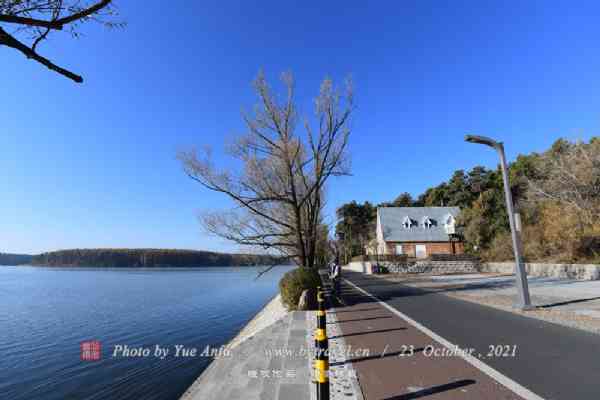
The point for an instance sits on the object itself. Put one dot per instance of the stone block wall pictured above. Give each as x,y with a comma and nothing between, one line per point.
433,267
365,267
587,272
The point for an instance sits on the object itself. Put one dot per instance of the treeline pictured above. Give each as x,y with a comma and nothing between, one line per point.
557,193
14,259
120,258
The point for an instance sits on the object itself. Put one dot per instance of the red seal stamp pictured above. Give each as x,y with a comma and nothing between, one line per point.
91,350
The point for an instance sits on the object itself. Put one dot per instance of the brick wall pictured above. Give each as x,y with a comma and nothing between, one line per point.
409,248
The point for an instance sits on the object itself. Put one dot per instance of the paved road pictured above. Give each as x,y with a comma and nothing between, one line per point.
553,361
399,364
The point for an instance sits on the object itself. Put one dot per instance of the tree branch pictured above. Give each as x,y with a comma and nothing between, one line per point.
13,19
84,13
9,41
56,24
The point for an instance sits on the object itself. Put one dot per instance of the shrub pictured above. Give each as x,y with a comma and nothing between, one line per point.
588,248
295,282
500,249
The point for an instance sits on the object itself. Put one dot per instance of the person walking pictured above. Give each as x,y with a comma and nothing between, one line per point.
336,278
330,268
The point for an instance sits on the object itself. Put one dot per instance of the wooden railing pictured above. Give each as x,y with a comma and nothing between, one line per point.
453,257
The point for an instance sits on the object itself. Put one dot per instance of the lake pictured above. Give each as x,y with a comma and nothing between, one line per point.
45,314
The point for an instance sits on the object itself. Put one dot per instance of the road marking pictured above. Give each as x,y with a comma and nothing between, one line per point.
480,365
384,351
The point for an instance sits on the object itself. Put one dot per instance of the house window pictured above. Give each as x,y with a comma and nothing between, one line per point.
407,222
421,251
399,249
427,223
450,225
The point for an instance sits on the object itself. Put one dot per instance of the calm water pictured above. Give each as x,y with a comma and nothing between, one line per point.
46,312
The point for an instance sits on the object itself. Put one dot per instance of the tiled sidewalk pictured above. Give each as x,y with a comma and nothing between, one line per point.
252,374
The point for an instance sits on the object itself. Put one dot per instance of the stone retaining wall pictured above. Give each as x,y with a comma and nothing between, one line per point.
434,267
416,267
365,267
586,272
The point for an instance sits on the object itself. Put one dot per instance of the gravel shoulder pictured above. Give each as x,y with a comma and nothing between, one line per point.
566,302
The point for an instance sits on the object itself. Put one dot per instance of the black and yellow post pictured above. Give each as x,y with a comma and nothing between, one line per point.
321,313
322,350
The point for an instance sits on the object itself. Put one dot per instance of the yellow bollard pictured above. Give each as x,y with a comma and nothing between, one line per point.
321,314
322,348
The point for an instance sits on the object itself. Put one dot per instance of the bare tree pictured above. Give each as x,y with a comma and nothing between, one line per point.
279,192
35,19
571,177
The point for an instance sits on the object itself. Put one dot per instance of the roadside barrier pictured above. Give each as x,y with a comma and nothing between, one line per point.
322,349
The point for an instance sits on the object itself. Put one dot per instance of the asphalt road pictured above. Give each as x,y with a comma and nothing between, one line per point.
553,361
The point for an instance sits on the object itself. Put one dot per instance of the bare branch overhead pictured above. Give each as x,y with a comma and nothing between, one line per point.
35,19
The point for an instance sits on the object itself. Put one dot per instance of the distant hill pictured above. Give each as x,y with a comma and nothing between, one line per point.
14,259
148,258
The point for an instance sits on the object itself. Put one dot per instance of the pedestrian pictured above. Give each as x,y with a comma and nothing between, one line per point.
330,267
336,278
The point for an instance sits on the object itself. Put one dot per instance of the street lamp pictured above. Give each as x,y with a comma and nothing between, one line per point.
521,275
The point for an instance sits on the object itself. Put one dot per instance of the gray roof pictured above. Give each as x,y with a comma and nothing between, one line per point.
392,219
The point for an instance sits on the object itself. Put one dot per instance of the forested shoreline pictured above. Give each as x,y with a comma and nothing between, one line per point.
14,259
557,193
148,258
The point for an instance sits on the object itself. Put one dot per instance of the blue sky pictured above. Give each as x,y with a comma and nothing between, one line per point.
94,165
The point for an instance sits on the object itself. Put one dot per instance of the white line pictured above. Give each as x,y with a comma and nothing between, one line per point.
384,351
477,363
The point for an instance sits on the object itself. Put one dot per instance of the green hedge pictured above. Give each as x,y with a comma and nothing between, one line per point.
294,282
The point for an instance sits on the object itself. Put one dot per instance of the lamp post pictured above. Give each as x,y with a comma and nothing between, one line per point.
524,301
